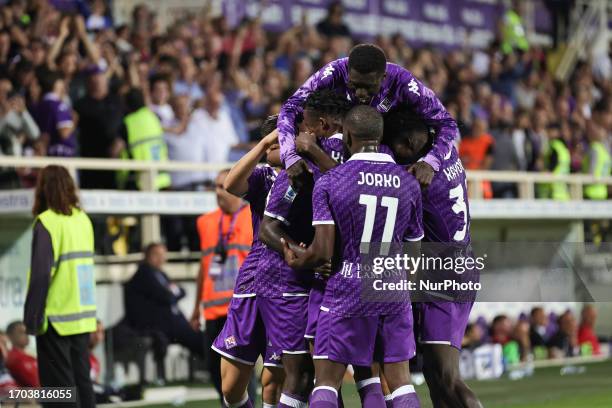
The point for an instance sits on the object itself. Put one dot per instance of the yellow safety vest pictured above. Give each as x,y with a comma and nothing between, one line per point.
514,36
557,190
597,191
71,300
146,142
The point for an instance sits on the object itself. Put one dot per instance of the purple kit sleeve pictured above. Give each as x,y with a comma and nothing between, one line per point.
329,76
321,210
280,199
428,106
256,184
415,230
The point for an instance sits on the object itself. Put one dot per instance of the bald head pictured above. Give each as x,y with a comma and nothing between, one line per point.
364,123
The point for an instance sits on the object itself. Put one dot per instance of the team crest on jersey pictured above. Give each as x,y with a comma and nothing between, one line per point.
230,342
327,71
414,87
290,194
384,105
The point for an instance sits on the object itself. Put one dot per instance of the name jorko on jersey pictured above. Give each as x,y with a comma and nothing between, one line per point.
378,180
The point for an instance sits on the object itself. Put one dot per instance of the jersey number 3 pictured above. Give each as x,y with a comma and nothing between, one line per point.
458,208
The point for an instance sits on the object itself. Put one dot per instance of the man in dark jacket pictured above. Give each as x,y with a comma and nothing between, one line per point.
151,308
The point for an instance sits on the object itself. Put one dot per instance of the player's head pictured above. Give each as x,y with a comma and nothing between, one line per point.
367,65
16,332
273,153
362,126
323,112
407,135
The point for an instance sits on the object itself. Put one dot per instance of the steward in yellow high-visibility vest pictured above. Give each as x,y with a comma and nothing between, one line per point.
514,36
60,307
557,160
145,139
597,163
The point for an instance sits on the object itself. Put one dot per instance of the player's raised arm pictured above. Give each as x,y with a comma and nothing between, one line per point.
236,182
326,77
426,104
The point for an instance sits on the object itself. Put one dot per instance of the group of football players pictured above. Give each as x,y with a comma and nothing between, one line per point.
355,157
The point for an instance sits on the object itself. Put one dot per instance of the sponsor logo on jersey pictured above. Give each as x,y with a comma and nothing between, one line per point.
230,342
290,194
327,71
414,87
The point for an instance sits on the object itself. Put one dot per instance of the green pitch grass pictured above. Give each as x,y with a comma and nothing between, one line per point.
545,389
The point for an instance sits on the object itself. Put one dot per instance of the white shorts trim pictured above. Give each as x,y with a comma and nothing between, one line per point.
414,239
296,294
229,356
446,343
324,309
273,365
296,352
315,357
323,222
309,336
244,295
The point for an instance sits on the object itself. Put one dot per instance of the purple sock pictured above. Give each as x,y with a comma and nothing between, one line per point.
389,401
370,393
324,397
245,403
405,397
291,401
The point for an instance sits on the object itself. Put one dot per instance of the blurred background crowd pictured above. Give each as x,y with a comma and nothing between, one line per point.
68,80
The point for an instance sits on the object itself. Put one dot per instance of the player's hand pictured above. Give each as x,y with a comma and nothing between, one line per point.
288,253
423,172
297,174
305,142
271,138
324,270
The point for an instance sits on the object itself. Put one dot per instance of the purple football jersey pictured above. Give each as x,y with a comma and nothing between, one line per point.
260,182
334,147
294,209
446,211
50,115
399,87
370,199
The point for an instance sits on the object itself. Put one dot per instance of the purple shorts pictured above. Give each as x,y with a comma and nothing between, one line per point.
243,337
284,319
315,300
441,322
360,340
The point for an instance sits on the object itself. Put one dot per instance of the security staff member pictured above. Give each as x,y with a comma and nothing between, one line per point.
557,160
60,307
144,137
225,239
598,163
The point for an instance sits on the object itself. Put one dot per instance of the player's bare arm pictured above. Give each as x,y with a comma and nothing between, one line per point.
318,253
271,233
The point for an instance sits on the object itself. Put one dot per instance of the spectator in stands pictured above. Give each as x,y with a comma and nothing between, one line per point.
521,336
538,323
186,83
473,337
186,142
220,133
151,308
22,366
161,92
501,329
564,343
333,25
54,117
100,119
587,339
98,19
476,151
17,130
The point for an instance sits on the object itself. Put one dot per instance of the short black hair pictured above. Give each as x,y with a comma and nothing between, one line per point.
328,102
268,125
399,122
364,123
367,58
12,327
47,80
160,78
134,100
150,247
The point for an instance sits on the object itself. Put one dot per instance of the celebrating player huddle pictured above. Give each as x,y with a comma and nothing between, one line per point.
301,300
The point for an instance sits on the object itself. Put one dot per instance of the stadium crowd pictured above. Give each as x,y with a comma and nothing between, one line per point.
68,79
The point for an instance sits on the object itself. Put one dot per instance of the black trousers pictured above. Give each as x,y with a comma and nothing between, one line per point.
63,361
213,328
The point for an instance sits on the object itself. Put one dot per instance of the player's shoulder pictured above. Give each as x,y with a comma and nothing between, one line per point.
397,71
